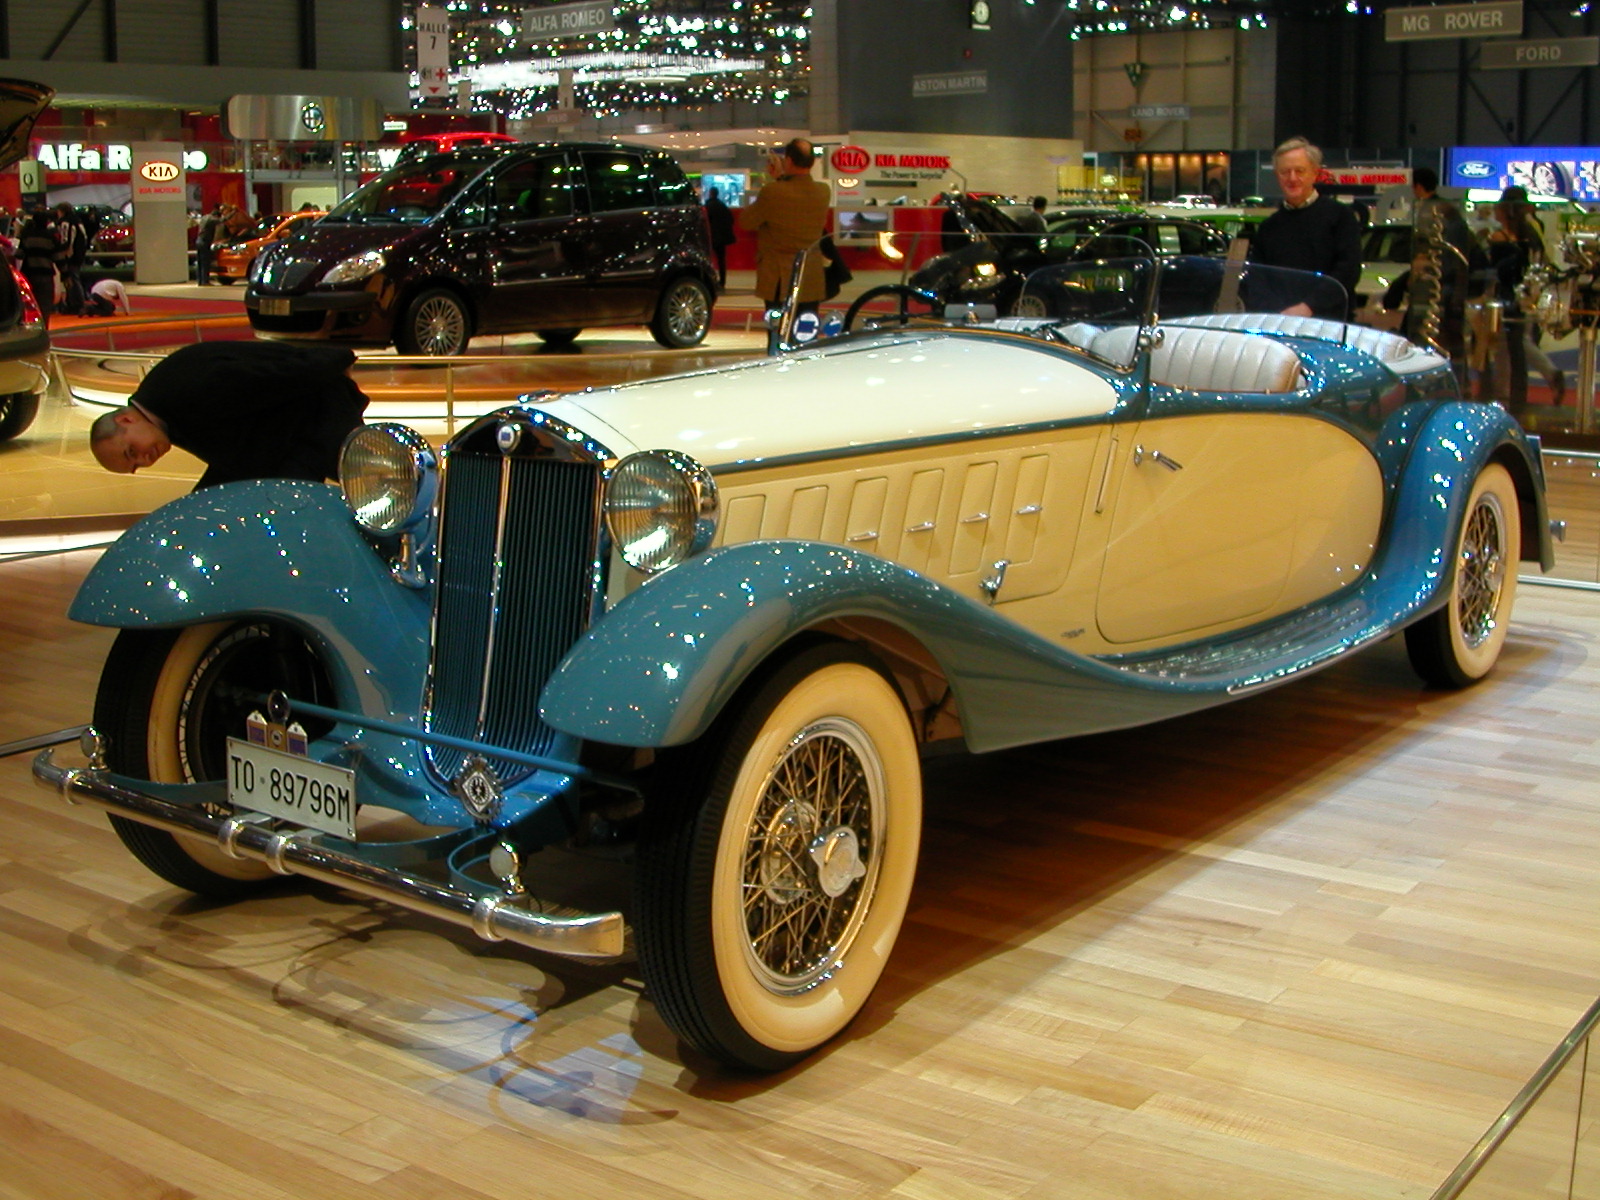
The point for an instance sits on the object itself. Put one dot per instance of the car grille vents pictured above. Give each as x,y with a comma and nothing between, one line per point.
287,274
517,581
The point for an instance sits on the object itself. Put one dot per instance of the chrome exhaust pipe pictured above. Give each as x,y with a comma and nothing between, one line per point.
493,917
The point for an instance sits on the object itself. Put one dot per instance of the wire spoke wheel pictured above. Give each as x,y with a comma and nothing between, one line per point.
809,865
775,860
1482,570
1459,644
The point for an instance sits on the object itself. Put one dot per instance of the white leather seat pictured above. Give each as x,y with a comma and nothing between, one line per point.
1209,360
1394,351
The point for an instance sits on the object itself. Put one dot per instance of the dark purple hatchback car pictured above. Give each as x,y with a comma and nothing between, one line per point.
497,239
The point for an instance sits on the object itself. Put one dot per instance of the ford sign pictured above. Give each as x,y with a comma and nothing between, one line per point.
159,170
1475,170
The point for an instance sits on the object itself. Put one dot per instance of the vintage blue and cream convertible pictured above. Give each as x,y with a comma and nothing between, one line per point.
716,618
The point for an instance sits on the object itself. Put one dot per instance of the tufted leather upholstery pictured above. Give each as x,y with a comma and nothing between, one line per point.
1391,349
1210,360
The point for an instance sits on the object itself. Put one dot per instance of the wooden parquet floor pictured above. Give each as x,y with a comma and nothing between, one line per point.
1307,945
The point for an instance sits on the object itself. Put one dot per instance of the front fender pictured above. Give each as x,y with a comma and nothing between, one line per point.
276,548
660,666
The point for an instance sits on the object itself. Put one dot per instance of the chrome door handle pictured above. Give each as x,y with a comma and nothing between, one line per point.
1166,460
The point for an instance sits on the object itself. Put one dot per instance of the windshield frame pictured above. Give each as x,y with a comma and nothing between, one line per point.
484,158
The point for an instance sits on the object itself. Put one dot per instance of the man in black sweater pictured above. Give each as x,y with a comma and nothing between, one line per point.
248,410
1310,232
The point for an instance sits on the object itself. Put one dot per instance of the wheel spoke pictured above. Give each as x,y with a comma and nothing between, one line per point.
817,795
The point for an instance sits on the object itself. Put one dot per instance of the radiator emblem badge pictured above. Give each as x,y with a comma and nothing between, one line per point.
478,787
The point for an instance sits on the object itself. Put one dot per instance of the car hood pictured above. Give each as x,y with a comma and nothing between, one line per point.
332,242
21,103
893,391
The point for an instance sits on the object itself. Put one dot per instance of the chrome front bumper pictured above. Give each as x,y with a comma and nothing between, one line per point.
495,917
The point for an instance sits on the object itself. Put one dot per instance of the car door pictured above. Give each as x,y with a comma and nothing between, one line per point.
534,247
625,232
1224,518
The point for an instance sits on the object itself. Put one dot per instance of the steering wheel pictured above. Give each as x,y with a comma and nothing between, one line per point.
904,293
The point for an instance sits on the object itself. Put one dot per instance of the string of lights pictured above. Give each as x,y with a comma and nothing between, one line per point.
1102,17
661,53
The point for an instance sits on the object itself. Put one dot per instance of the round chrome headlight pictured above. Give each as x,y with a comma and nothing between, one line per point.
661,507
388,473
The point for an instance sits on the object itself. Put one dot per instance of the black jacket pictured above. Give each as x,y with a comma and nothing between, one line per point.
256,410
1323,236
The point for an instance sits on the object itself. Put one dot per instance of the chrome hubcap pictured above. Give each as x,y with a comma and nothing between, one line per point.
687,313
441,327
1481,571
811,856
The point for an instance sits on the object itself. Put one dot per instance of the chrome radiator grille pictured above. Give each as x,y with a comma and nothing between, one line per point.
516,585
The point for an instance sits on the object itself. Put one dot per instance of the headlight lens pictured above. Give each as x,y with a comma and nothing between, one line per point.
356,267
388,473
661,507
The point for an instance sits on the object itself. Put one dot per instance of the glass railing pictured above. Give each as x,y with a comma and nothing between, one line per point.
1547,1142
1572,488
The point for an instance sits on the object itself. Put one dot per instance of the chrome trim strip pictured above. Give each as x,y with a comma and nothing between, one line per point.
502,510
398,729
495,918
1524,1100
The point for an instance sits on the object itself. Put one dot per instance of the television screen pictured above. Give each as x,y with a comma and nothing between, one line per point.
730,186
860,224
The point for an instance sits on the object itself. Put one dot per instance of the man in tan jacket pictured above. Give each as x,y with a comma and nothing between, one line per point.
788,216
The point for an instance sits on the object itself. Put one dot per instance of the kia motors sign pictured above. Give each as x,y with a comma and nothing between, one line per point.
850,160
158,177
159,170
1453,21
160,213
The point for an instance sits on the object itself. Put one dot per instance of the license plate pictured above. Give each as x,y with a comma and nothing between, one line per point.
274,306
292,788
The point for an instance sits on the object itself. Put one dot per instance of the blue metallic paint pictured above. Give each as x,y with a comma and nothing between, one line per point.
291,551
659,667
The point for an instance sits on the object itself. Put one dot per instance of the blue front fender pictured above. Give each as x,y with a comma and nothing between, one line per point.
275,548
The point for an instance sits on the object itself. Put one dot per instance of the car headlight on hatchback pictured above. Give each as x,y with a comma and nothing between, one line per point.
388,474
355,268
660,508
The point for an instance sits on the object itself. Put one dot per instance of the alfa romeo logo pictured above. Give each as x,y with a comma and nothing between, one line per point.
851,160
313,118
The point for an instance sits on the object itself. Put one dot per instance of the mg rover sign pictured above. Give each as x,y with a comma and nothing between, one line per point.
1502,19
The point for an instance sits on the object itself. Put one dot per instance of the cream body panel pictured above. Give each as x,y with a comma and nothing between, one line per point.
1269,512
949,513
882,393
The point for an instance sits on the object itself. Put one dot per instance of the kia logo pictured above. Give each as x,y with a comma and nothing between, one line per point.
1475,170
851,160
159,170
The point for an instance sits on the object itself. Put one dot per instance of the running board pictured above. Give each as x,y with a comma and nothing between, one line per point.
495,917
1268,654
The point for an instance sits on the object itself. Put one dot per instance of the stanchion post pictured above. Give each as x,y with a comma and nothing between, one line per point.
1587,336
